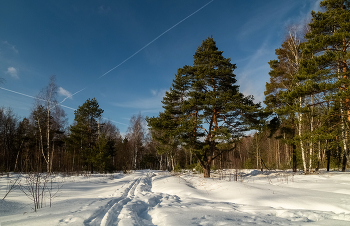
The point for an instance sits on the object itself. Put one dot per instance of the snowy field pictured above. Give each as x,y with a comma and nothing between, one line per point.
160,198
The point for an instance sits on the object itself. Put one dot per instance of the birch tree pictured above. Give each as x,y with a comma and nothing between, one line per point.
327,71
136,136
48,99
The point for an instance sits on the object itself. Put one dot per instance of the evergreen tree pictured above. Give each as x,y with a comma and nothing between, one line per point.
85,131
283,80
205,108
165,127
326,70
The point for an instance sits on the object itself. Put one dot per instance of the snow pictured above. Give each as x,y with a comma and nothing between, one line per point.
161,198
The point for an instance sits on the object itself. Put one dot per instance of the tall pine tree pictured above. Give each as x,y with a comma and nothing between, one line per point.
85,130
327,67
212,114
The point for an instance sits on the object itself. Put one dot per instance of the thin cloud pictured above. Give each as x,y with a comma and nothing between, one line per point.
65,93
155,39
13,72
316,6
264,17
152,103
304,17
255,72
12,47
154,92
23,94
104,9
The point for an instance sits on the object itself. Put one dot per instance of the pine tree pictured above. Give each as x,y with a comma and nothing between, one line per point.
165,127
85,131
283,81
326,70
204,110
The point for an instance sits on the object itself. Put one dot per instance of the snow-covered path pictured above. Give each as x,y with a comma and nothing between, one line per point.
148,198
130,208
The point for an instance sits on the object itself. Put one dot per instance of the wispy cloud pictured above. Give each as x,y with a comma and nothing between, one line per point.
13,72
304,17
253,76
316,6
12,47
148,104
104,9
264,18
65,93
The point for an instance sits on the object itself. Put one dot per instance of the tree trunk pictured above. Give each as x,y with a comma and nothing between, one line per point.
135,158
51,160
312,129
278,154
328,153
172,162
344,136
257,152
73,159
161,163
41,142
301,142
206,171
48,139
16,161
318,156
190,157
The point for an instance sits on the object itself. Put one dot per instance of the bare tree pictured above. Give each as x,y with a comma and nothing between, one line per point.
136,136
12,184
36,186
48,96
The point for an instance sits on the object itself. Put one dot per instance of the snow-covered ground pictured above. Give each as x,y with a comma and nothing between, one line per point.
159,198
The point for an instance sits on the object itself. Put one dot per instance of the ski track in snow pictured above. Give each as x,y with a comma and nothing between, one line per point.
148,198
126,209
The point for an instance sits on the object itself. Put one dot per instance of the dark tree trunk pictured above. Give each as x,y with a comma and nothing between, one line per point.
345,160
206,170
206,166
328,153
294,158
294,151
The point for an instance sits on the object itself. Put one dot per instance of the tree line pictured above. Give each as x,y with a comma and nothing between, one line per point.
44,142
206,121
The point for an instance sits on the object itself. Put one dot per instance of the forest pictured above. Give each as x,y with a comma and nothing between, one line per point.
206,122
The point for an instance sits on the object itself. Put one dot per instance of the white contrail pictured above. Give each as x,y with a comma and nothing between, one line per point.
118,64
37,98
157,38
56,104
147,44
72,95
115,121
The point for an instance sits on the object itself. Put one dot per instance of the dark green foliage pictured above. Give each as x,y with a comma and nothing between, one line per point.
84,134
204,110
325,71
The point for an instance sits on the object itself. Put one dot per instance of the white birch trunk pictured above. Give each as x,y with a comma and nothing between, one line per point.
48,139
301,141
135,158
312,129
344,132
41,141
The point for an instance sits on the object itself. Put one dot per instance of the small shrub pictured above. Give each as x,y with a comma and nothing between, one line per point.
177,168
248,164
198,168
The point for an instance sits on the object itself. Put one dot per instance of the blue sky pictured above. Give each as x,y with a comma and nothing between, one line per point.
81,41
